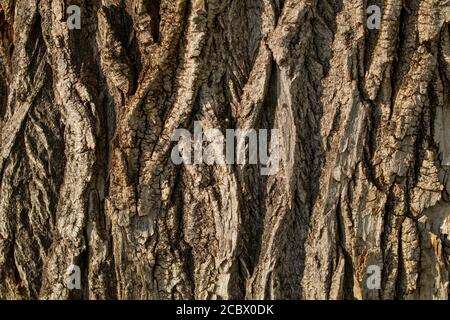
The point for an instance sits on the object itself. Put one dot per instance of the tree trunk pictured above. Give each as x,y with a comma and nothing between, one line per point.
86,176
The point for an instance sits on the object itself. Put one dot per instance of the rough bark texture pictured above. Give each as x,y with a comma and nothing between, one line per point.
86,177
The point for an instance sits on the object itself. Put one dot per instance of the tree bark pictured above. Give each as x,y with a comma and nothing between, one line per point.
86,176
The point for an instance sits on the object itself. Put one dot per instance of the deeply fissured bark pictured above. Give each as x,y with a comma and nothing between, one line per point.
86,178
